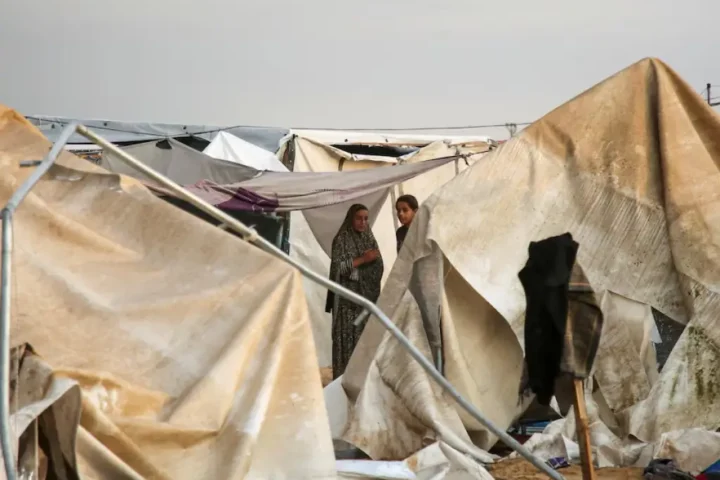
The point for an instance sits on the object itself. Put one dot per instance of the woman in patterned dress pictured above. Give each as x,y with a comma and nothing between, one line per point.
355,264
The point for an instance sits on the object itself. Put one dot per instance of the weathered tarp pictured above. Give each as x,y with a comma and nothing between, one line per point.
193,349
268,138
45,411
630,168
234,149
310,190
178,162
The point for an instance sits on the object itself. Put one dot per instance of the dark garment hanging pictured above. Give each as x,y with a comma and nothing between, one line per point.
400,235
545,279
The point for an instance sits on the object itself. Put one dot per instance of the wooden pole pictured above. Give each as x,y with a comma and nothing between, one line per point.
583,431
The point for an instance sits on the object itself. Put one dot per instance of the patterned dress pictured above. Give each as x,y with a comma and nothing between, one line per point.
364,280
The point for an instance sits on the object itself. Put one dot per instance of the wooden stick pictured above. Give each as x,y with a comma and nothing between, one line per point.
583,431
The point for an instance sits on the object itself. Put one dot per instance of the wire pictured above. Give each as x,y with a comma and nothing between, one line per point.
415,129
394,129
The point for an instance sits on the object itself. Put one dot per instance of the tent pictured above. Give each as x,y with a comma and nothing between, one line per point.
180,163
630,168
339,138
193,350
323,195
310,155
226,146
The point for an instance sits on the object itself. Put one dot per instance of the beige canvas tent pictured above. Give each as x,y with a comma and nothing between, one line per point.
630,168
193,350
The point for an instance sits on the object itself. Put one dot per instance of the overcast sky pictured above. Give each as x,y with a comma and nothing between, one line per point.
335,63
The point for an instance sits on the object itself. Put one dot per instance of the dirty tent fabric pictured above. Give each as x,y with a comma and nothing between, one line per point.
211,374
630,168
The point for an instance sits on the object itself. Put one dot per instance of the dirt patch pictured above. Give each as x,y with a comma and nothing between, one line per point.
519,469
326,376
703,359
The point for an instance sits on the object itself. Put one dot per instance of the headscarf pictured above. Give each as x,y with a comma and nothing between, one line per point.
348,245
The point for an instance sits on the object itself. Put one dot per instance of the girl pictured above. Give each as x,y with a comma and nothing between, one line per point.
405,206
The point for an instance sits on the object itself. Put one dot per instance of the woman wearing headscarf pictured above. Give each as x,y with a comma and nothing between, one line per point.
355,264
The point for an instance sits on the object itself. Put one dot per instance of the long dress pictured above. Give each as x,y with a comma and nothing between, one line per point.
364,280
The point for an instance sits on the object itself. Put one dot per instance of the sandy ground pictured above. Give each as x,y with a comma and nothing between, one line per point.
518,469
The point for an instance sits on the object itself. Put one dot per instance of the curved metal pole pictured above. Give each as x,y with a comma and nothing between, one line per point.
251,236
6,440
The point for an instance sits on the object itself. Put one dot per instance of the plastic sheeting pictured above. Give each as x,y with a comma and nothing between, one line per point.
193,349
179,163
630,168
438,461
233,149
268,138
317,193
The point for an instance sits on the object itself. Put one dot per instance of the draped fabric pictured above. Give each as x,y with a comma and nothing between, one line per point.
632,168
186,352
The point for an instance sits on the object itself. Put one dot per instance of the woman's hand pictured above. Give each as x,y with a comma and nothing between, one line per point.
371,256
368,257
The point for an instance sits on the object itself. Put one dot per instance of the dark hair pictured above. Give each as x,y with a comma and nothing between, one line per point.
354,209
409,199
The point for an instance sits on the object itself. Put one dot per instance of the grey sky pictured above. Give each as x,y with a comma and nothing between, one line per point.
335,63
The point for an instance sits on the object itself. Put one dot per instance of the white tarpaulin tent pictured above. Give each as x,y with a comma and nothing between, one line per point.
226,146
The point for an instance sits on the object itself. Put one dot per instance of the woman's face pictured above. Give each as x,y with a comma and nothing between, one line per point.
360,221
404,213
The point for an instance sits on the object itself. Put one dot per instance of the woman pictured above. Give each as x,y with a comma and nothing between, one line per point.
355,264
406,206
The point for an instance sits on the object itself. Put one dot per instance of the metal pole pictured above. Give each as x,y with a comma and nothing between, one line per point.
19,195
251,236
6,440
